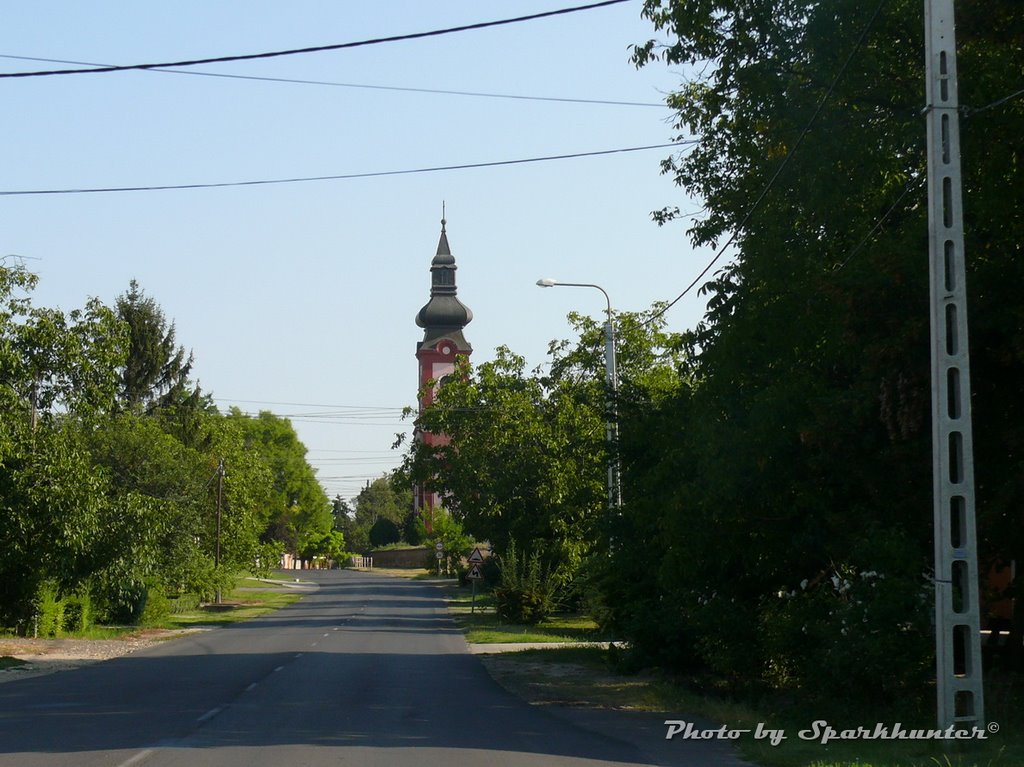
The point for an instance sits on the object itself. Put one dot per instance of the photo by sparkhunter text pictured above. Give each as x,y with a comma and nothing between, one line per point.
822,732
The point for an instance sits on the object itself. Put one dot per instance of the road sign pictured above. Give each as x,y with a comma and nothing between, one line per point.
475,574
439,546
476,557
439,554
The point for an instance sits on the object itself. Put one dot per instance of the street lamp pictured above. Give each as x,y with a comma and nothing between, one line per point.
612,379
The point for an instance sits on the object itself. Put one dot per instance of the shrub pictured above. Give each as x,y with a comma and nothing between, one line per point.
49,611
185,603
156,608
383,532
449,533
77,613
524,593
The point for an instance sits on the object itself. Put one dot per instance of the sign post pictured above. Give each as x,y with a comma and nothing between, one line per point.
475,574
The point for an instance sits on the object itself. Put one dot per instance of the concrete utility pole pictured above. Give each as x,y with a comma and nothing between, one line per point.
220,503
957,617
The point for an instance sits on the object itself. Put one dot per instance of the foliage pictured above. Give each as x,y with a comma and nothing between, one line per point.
109,479
455,542
796,449
526,593
383,532
297,507
527,456
155,373
329,545
388,497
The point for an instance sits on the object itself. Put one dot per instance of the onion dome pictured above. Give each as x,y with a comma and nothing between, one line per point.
444,315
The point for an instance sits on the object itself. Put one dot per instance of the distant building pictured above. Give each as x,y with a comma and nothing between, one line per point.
442,319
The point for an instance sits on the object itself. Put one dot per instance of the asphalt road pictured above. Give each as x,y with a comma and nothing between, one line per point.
364,671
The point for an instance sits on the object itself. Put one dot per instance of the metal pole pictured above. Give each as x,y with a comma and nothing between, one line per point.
612,381
959,687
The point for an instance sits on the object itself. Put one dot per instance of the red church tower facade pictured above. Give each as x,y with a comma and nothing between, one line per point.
442,318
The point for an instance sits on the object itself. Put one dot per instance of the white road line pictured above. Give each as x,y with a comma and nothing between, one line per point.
251,687
210,714
136,759
279,668
298,655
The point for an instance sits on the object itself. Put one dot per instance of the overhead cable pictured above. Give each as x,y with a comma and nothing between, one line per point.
338,177
313,49
778,171
366,86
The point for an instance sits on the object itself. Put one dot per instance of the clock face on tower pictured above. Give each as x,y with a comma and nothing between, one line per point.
446,350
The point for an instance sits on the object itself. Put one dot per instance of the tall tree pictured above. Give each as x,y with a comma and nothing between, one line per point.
798,516
527,456
156,373
299,509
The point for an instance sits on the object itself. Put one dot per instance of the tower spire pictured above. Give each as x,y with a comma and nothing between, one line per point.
444,315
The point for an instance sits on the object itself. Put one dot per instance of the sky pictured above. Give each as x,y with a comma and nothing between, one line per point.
300,298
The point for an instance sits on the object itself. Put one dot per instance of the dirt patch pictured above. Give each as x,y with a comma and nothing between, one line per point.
44,656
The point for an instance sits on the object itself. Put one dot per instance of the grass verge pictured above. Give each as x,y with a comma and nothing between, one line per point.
582,676
249,599
479,620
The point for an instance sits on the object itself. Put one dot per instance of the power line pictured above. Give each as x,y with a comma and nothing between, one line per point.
403,89
969,112
778,171
314,49
308,404
338,177
919,181
910,186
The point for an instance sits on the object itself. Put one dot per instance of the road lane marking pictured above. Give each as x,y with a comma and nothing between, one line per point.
210,714
251,687
279,668
136,759
298,655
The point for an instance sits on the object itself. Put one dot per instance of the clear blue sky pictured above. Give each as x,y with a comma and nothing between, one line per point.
306,293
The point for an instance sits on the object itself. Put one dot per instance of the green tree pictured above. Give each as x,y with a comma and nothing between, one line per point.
57,376
156,372
796,458
387,497
527,458
299,511
384,532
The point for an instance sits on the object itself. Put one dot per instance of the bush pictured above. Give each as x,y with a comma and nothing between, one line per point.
449,533
156,608
383,532
524,593
49,612
185,603
414,531
77,613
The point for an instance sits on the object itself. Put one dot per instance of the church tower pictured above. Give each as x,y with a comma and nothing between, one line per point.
442,319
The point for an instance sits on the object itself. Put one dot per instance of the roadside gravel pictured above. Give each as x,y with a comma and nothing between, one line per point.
45,656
